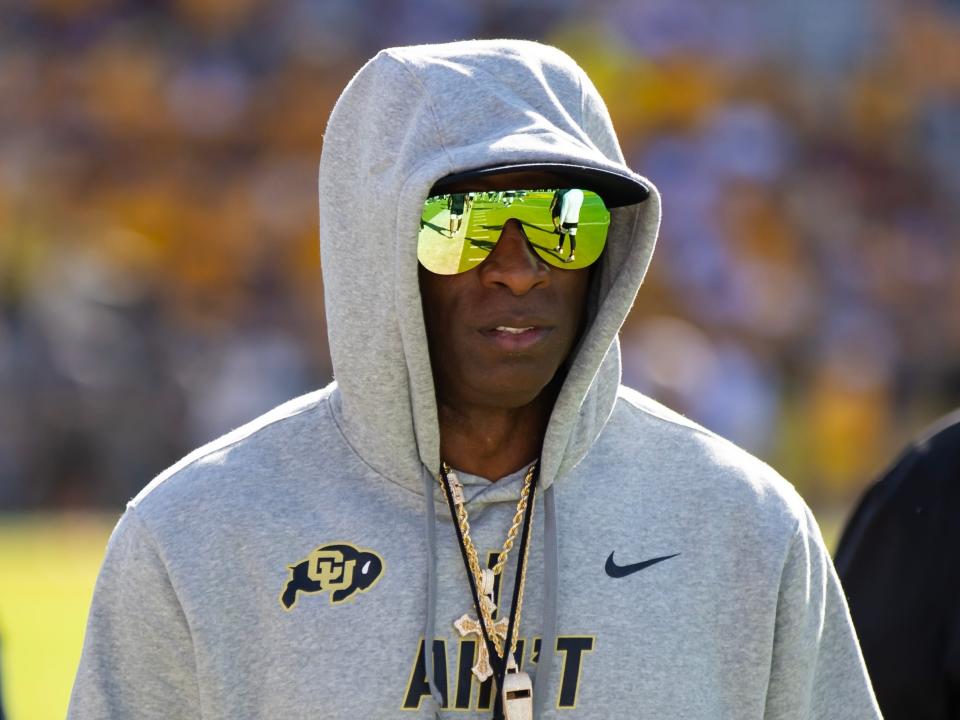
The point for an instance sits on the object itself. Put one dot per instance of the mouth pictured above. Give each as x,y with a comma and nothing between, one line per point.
514,338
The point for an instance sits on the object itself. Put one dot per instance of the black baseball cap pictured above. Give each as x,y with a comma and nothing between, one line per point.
616,190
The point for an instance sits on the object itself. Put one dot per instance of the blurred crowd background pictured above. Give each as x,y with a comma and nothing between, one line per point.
159,264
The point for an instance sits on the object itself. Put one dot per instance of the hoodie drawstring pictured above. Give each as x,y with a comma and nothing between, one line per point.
429,625
551,575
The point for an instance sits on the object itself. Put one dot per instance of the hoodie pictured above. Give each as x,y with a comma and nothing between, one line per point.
305,565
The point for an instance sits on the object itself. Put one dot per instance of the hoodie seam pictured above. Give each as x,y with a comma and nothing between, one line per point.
428,101
149,536
214,446
690,426
800,535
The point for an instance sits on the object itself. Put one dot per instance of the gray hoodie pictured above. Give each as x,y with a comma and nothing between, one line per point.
294,567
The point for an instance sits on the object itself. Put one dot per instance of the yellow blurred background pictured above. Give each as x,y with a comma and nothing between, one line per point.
159,265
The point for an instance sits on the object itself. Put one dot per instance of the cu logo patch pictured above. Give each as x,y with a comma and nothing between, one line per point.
340,568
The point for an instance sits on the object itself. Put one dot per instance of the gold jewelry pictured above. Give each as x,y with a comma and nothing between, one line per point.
484,578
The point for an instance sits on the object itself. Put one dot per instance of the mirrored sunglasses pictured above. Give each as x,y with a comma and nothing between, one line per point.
566,227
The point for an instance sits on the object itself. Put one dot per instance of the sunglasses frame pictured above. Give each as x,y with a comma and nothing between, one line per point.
438,256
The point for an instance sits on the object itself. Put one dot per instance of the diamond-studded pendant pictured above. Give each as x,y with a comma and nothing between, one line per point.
456,488
487,580
517,695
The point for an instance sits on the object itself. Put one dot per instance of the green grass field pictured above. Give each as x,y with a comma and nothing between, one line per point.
484,220
48,566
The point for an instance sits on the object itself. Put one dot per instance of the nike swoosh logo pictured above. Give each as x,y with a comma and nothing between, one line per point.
619,571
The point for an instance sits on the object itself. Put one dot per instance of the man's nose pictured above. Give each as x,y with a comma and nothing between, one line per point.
513,263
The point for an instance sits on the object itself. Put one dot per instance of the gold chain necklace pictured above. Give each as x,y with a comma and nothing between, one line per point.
517,688
484,579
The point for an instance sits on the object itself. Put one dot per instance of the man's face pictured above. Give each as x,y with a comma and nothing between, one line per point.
499,332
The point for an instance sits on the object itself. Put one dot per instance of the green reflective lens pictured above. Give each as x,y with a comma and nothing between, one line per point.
567,227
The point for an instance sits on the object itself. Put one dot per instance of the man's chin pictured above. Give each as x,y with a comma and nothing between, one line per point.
516,390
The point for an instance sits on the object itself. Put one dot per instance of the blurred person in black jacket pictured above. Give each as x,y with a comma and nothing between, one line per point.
899,562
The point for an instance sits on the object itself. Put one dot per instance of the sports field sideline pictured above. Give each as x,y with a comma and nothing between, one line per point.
48,566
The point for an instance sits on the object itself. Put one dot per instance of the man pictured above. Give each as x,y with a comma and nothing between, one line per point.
568,219
555,205
455,204
898,563
475,520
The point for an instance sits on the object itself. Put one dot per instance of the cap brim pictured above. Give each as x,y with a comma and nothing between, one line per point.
615,189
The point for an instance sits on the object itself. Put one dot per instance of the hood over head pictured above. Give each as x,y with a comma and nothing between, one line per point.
408,118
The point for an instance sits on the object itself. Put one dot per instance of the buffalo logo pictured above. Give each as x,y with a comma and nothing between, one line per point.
340,568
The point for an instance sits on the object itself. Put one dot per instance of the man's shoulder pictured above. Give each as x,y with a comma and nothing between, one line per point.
266,449
644,408
683,456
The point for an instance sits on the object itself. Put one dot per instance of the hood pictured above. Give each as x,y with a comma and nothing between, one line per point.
409,117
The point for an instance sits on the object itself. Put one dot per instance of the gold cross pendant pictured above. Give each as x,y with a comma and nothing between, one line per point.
467,625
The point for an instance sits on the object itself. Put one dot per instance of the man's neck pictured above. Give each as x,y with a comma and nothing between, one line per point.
493,442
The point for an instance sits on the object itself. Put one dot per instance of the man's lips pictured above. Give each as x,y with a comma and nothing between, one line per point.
514,337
